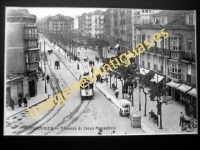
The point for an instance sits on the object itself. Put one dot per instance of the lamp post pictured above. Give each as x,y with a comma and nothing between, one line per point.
145,93
122,87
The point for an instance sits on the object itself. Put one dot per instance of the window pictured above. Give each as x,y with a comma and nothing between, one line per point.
155,67
148,65
143,63
175,67
189,69
189,45
176,44
191,19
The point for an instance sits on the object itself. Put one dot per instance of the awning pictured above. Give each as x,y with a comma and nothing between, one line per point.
140,34
32,49
183,88
116,46
173,84
157,78
193,92
124,102
144,71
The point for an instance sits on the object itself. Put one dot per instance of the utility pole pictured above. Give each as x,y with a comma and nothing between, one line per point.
41,55
45,67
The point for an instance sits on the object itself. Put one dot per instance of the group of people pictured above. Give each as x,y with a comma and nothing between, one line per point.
20,100
187,124
91,63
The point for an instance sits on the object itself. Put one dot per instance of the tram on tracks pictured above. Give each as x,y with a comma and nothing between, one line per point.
88,91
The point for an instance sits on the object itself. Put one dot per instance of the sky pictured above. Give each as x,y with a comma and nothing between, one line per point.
41,12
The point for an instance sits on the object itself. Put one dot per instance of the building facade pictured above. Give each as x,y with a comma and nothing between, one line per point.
173,58
58,24
22,54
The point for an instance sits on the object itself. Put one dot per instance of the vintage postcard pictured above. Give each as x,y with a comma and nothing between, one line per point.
99,71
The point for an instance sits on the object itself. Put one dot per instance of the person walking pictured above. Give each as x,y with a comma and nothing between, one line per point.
181,119
116,92
25,102
20,100
12,103
77,66
47,77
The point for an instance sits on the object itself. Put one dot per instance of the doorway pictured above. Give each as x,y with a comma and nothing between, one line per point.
32,88
8,96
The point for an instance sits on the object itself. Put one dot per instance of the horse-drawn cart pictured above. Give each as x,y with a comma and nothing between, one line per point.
57,64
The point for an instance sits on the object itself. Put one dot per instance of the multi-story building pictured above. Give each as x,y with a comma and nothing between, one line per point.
58,24
120,29
82,24
139,17
173,57
22,54
91,24
97,24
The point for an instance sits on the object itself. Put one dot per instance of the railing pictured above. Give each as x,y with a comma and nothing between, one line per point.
31,36
187,56
32,66
152,50
166,52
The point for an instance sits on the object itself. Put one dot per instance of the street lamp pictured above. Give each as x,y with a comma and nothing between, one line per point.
122,87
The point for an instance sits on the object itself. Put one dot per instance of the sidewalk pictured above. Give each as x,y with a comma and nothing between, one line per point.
41,96
170,113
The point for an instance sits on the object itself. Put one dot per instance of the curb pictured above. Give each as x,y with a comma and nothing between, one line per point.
28,107
143,126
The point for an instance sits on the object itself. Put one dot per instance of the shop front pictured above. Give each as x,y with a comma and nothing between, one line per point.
171,89
191,103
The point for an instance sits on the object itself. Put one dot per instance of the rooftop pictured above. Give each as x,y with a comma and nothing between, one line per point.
59,16
179,23
19,13
172,12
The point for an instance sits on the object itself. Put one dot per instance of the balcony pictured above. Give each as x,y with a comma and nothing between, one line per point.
166,52
32,66
152,50
31,36
175,76
187,56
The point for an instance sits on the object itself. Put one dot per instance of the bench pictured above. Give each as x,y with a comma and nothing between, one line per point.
153,116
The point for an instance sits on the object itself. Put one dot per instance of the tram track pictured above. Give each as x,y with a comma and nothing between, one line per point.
69,118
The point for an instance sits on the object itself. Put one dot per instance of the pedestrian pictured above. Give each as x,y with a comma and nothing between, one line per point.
181,119
25,102
130,93
47,77
93,62
77,66
101,79
12,103
116,92
20,100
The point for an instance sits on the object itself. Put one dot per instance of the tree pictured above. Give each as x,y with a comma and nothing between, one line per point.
158,93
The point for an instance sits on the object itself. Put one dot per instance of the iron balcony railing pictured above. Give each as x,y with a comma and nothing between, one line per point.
31,36
32,66
188,56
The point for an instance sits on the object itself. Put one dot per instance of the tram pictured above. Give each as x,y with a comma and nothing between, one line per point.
88,92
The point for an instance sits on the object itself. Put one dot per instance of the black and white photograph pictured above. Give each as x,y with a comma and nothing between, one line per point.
89,71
